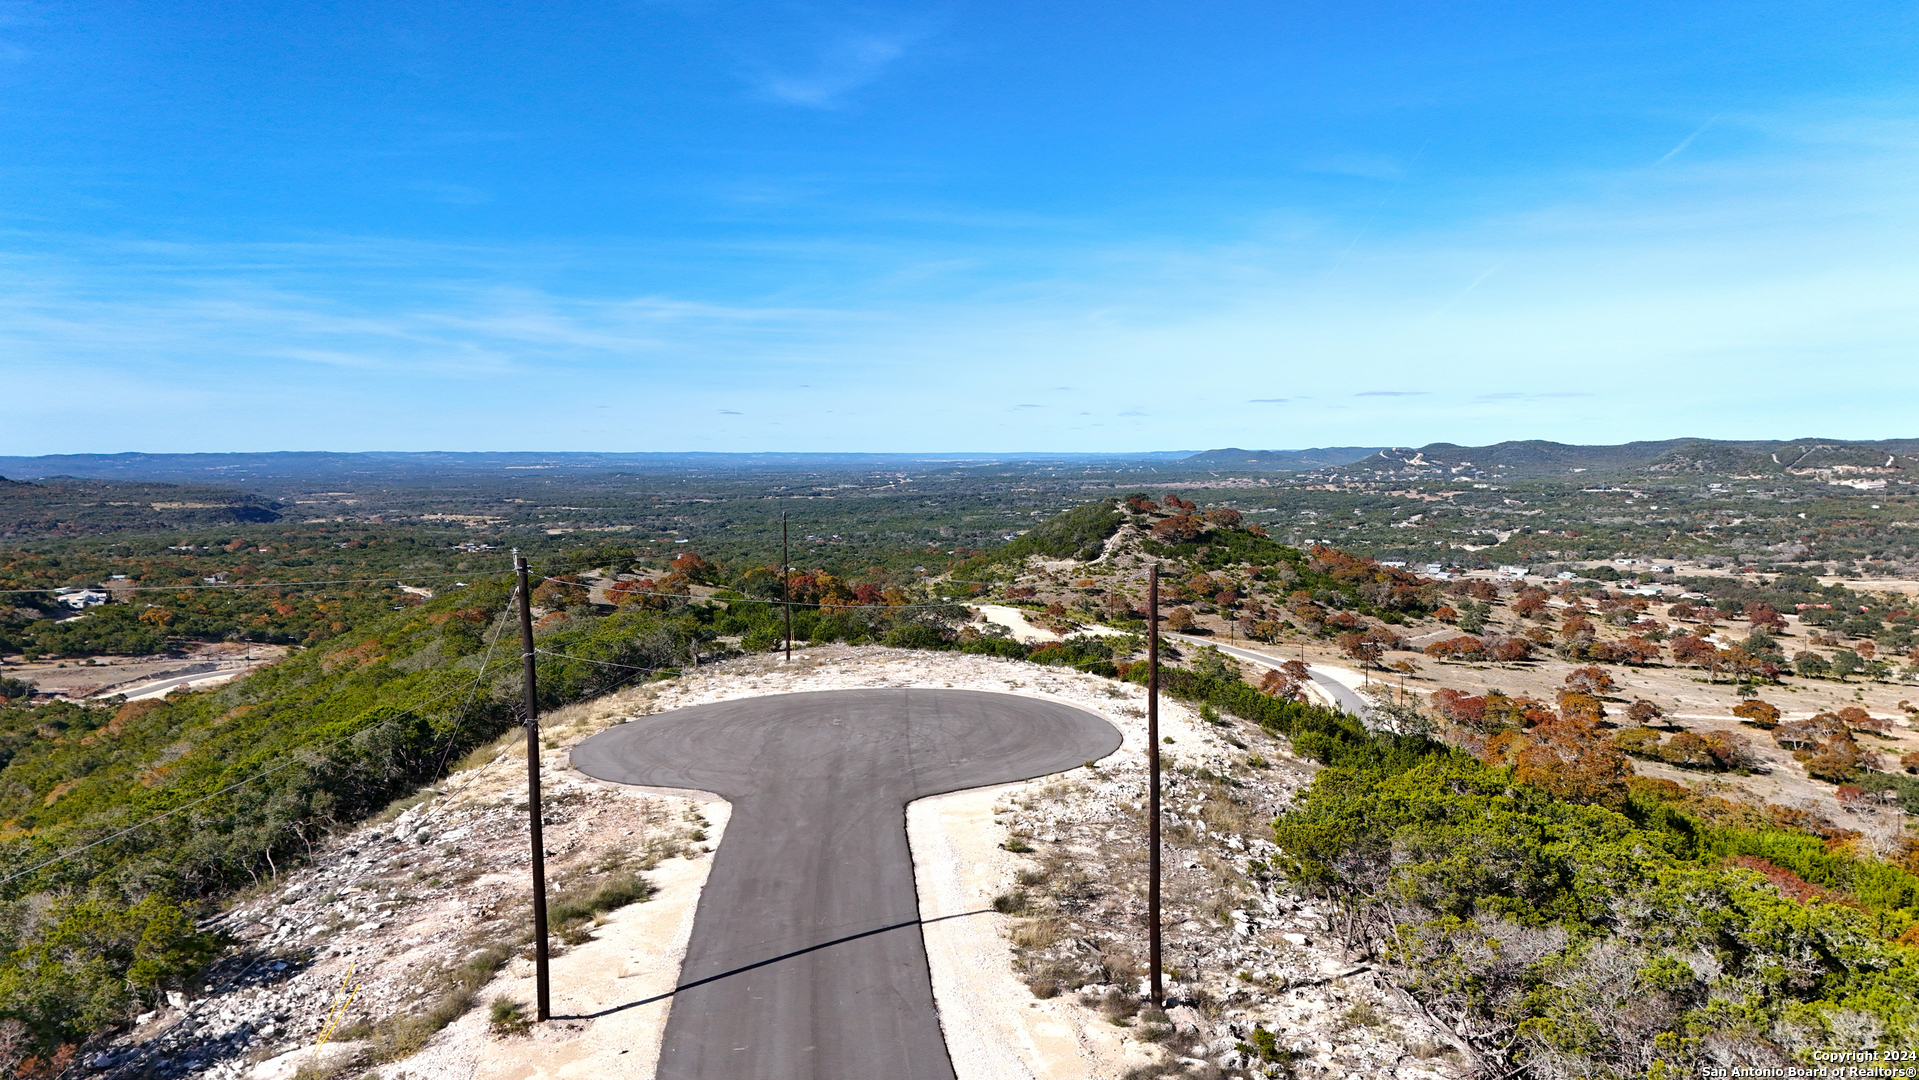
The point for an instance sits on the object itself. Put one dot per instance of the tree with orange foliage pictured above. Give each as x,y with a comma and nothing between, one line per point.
1463,647
1576,635
691,566
1224,516
1631,650
1583,707
1177,529
1590,680
834,592
1530,604
1572,761
1362,646
1286,681
1457,706
1694,651
1764,616
1519,712
1760,714
1512,650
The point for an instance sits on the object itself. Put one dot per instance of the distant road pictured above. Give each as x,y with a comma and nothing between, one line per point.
806,959
162,687
1346,697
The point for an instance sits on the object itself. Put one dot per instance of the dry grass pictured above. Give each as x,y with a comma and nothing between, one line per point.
453,990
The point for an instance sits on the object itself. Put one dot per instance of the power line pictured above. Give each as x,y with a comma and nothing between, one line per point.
499,625
688,598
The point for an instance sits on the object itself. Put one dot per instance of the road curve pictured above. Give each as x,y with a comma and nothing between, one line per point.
1345,696
806,959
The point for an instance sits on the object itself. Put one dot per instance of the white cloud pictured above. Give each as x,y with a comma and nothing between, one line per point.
841,66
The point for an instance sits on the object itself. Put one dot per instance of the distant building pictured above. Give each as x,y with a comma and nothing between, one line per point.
1397,564
81,598
1512,571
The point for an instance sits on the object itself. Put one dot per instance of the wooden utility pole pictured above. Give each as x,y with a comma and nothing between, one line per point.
533,792
1152,771
786,597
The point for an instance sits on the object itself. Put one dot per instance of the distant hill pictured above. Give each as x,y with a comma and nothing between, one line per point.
66,506
1812,458
279,474
1283,460
295,469
1537,458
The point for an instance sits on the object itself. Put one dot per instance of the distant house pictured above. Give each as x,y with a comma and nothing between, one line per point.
1512,571
81,598
1397,564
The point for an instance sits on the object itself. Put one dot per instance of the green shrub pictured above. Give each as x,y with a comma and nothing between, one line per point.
508,1017
572,908
1503,909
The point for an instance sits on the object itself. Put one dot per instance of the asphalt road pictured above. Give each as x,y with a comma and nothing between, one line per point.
806,959
162,687
1347,698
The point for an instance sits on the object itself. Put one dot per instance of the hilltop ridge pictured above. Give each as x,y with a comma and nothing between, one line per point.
1540,458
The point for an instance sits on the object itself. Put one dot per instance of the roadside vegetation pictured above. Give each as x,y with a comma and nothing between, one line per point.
122,824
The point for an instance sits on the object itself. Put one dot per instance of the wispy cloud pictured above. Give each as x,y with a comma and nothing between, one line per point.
1687,141
842,65
1461,295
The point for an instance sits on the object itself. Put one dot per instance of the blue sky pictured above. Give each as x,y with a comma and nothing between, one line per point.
718,226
